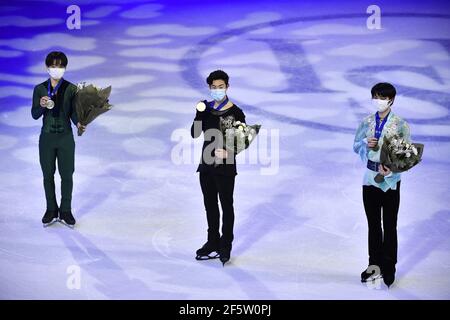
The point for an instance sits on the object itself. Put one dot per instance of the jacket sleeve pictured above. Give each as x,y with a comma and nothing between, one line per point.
240,116
360,142
197,124
36,110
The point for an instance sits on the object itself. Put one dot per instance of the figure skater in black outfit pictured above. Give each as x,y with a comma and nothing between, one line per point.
217,179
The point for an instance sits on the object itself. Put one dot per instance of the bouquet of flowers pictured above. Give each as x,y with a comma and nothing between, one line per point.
237,135
399,155
90,102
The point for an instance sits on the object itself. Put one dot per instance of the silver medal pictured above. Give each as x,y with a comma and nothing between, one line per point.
50,104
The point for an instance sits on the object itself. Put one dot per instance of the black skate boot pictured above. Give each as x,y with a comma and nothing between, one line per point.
389,279
389,274
225,253
50,217
208,251
66,218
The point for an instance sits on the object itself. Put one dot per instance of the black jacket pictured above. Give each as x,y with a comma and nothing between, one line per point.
210,119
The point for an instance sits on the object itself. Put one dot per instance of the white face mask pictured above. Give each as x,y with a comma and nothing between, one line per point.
381,105
56,73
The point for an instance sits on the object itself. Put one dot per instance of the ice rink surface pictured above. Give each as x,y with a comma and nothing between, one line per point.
301,70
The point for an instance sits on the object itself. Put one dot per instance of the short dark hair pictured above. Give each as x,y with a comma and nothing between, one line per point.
217,75
57,56
384,89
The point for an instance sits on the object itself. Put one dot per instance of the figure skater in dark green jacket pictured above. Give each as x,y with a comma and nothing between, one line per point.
53,99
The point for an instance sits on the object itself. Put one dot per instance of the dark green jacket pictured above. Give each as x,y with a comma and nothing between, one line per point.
64,98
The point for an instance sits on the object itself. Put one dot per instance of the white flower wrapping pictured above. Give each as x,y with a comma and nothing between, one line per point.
82,85
399,155
401,147
238,135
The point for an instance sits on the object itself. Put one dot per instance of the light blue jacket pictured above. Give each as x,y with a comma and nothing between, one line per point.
394,126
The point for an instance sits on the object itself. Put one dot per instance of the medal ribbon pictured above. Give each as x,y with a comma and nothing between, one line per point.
379,126
220,106
50,92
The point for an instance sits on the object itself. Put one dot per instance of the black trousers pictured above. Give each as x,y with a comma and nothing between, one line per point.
223,186
61,147
381,211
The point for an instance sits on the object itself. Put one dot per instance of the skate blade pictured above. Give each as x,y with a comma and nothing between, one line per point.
202,258
71,226
224,262
45,225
